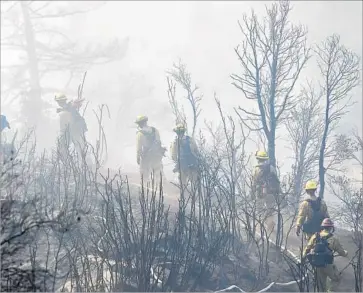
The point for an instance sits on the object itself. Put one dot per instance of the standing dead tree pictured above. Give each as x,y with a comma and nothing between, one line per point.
305,127
350,210
181,76
272,56
44,51
340,71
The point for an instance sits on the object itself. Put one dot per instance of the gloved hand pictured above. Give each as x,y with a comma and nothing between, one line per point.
298,230
345,253
303,260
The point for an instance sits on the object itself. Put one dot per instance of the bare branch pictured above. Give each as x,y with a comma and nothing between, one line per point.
305,127
181,76
270,79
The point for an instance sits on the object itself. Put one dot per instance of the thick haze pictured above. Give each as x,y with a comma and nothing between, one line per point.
203,35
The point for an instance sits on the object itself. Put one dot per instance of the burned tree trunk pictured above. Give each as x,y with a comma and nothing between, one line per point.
33,103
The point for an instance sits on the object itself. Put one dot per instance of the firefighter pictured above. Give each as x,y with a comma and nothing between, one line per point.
184,153
312,211
320,253
149,151
72,125
7,151
265,186
4,122
262,173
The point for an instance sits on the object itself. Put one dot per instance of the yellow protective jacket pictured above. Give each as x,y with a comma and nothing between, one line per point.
73,123
257,170
333,243
257,183
143,142
174,148
305,211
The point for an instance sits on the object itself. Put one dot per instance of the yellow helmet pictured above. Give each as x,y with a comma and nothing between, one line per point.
179,128
60,97
262,155
311,184
141,118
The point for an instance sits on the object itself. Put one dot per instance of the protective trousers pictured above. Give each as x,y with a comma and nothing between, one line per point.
266,207
322,275
187,176
151,165
69,137
270,212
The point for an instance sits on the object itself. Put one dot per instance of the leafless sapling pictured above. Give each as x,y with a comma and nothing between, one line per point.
182,77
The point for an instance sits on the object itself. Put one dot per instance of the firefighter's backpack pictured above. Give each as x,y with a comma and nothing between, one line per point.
79,120
154,146
4,122
314,224
187,158
321,255
268,178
